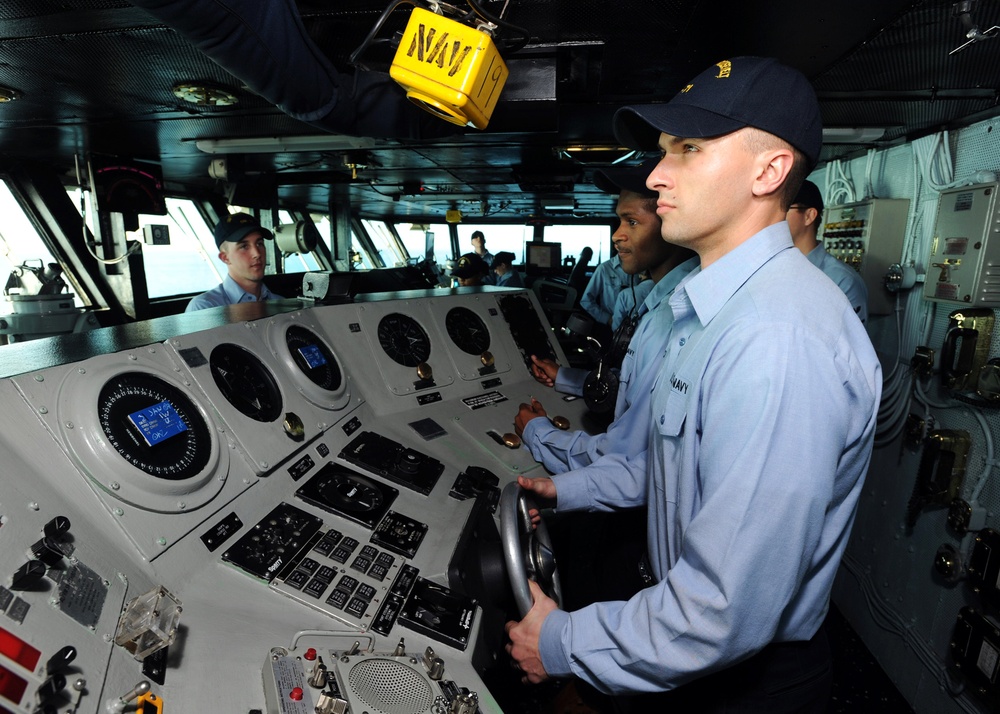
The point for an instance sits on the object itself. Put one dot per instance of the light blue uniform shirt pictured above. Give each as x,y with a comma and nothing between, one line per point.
847,279
601,292
561,451
510,279
228,292
763,417
631,297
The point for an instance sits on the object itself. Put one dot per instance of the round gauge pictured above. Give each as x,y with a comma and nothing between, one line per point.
245,382
313,357
403,340
154,426
467,330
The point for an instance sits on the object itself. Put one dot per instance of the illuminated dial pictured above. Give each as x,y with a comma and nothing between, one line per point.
467,330
313,357
154,426
245,382
403,340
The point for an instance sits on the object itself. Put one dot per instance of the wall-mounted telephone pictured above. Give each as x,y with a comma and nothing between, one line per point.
966,347
942,469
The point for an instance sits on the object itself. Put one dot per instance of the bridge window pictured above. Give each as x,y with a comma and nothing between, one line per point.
575,238
190,263
20,243
498,238
388,248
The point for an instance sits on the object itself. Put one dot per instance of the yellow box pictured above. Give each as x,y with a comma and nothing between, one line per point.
449,69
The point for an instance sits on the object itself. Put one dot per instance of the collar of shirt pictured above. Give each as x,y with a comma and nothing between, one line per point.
665,287
236,294
708,290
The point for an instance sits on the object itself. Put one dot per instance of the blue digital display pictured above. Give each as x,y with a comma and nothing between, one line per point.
158,422
313,356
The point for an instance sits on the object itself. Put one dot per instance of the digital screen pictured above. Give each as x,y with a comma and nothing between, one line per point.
313,356
158,422
545,256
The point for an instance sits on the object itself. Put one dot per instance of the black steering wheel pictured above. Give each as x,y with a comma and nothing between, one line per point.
527,549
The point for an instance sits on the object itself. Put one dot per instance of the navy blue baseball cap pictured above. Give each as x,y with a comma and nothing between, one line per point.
237,225
626,178
469,266
732,94
809,196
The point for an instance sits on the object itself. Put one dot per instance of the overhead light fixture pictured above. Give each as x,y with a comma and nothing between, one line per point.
852,135
601,154
283,144
205,95
558,203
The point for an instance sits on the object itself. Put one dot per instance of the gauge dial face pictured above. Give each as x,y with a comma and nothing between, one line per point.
245,382
467,330
154,426
314,358
403,340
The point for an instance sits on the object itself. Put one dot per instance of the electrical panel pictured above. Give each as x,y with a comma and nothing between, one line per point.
965,250
868,236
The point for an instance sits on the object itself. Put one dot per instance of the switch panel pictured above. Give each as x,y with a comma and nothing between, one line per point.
868,236
965,248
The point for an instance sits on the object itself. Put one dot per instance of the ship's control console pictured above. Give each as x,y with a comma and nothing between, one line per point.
295,514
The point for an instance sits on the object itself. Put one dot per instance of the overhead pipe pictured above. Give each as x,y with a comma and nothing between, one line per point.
265,44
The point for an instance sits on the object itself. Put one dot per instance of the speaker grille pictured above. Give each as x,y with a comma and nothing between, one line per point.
390,687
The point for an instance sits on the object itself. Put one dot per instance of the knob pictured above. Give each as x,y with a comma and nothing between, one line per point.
28,575
511,440
293,426
464,703
486,358
948,563
47,551
57,527
60,659
560,422
410,462
436,671
424,371
317,680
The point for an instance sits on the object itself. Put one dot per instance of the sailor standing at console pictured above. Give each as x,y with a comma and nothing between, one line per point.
643,332
240,239
762,423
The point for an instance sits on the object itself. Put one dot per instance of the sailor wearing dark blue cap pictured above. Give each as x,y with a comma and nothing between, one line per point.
240,239
639,340
804,218
762,422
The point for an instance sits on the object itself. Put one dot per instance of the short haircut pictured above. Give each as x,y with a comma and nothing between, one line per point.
647,202
477,234
759,141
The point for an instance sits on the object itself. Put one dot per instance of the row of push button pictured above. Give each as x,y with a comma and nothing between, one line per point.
349,594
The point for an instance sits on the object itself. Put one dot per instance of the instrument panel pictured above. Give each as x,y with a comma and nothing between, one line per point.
248,498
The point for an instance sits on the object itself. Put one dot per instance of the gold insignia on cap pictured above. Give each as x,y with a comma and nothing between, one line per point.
725,67
687,89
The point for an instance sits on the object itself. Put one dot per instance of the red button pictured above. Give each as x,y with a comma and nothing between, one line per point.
310,654
296,694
